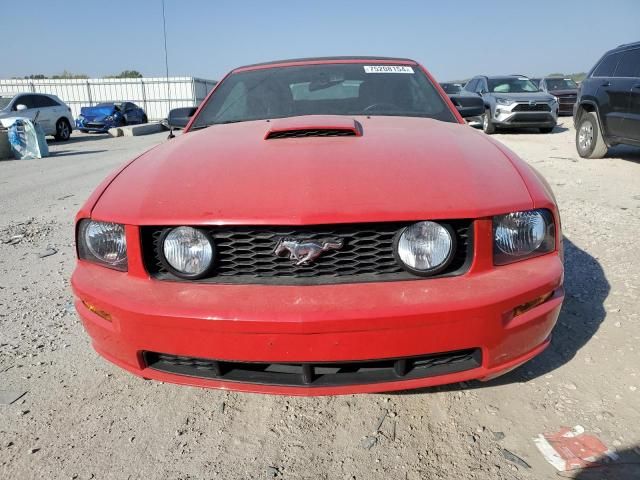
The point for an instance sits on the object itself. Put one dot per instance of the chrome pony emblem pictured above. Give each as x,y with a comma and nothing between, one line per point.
304,252
532,103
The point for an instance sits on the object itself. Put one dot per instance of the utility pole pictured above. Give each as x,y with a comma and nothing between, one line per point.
166,57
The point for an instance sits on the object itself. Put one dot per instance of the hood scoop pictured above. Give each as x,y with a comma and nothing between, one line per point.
314,126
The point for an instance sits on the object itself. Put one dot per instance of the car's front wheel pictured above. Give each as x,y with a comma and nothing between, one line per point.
487,125
589,140
63,130
145,119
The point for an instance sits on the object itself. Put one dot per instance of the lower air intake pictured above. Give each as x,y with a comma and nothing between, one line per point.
318,374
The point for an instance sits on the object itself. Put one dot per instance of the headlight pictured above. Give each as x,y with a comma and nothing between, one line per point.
103,242
80,118
556,100
521,235
110,118
425,247
504,101
188,252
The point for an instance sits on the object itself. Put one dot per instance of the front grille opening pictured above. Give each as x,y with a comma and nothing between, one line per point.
245,254
317,374
312,132
532,117
525,107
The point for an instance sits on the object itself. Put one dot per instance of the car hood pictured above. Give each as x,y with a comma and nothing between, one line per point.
525,97
564,91
398,169
97,112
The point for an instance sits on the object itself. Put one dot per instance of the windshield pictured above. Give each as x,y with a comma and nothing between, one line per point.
561,84
511,85
4,102
332,89
451,87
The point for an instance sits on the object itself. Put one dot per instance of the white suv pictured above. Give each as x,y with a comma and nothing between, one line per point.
53,115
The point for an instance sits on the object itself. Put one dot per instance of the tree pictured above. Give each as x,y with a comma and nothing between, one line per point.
66,75
127,74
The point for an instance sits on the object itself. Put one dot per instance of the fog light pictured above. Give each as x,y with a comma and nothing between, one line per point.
425,248
188,252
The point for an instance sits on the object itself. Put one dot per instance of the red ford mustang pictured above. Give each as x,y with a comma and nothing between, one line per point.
322,226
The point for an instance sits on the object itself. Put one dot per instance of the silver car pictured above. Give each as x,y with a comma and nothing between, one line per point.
514,101
51,113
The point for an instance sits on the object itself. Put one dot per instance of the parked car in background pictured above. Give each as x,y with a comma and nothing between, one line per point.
607,111
464,101
107,115
322,226
514,101
451,88
564,89
51,113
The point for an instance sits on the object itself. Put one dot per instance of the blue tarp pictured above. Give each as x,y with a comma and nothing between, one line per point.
27,140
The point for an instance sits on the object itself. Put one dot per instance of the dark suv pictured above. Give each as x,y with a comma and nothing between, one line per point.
607,112
564,89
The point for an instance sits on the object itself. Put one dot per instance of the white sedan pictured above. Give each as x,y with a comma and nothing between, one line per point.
51,113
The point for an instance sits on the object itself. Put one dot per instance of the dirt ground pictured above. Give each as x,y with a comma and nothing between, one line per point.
80,417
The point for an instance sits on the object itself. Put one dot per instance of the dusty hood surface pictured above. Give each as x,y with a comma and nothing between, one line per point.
399,169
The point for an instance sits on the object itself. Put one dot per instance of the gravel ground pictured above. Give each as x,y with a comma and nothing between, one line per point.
81,417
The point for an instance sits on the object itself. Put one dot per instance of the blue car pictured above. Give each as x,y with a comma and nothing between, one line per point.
104,116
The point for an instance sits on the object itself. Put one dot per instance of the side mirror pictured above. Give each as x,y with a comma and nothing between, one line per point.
21,107
179,117
468,106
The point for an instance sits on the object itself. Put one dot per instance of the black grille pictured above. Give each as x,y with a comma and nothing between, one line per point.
525,107
246,254
329,132
569,99
533,117
317,374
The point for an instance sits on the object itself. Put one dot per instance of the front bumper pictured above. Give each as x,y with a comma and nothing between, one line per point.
98,127
506,117
326,323
566,107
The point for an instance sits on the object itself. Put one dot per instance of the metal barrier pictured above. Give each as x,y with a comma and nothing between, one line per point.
155,95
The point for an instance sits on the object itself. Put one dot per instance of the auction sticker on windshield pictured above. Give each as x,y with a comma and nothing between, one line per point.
387,69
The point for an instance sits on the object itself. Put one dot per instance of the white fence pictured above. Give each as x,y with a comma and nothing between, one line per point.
155,95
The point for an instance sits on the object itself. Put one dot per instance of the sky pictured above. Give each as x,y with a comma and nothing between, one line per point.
453,40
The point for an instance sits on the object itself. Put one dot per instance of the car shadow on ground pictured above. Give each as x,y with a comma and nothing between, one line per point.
68,153
624,152
79,138
586,289
627,467
523,131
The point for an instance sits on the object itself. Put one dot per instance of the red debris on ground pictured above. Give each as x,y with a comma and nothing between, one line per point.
571,449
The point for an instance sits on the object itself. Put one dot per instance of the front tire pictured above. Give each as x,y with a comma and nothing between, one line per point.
589,140
63,130
487,124
145,119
